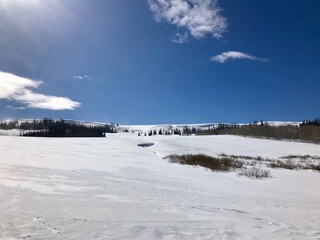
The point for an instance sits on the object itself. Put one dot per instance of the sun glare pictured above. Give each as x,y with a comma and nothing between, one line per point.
21,3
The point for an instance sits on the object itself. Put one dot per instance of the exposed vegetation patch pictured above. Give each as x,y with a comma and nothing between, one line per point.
255,172
291,165
248,166
303,157
315,167
291,162
222,164
245,157
286,165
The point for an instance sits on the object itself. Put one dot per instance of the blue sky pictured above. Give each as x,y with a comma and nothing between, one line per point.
160,61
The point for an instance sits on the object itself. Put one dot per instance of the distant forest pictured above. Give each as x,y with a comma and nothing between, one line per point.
57,128
163,131
308,131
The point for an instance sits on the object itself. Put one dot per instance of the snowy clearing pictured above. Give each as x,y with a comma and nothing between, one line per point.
110,188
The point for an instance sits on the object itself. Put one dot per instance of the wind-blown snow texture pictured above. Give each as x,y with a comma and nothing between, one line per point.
109,188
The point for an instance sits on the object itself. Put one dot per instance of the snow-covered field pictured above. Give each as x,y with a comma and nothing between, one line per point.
109,188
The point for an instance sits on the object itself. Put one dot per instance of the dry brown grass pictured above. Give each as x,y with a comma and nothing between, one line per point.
221,164
287,165
255,173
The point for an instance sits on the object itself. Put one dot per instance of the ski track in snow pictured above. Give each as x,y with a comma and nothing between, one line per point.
109,188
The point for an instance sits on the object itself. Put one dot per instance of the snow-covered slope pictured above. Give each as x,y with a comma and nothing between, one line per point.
146,128
201,126
278,123
109,188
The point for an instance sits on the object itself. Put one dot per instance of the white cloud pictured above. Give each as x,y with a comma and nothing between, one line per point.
236,55
81,77
198,18
181,38
17,89
16,108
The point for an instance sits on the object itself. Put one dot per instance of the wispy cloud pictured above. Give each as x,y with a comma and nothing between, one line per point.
18,89
85,77
231,55
15,108
181,38
196,18
81,77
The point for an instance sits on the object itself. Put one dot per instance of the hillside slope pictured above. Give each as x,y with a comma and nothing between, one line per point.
110,188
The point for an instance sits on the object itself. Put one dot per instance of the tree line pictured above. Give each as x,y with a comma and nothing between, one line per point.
315,122
160,131
8,125
57,128
306,131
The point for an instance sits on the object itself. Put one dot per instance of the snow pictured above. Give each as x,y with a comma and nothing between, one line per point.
146,128
278,123
109,188
202,126
12,132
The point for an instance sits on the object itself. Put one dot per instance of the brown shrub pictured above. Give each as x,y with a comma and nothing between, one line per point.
212,163
255,173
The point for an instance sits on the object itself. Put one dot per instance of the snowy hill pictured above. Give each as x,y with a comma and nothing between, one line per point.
110,188
201,126
147,127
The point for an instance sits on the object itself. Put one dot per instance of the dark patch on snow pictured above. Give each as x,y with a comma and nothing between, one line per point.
145,144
